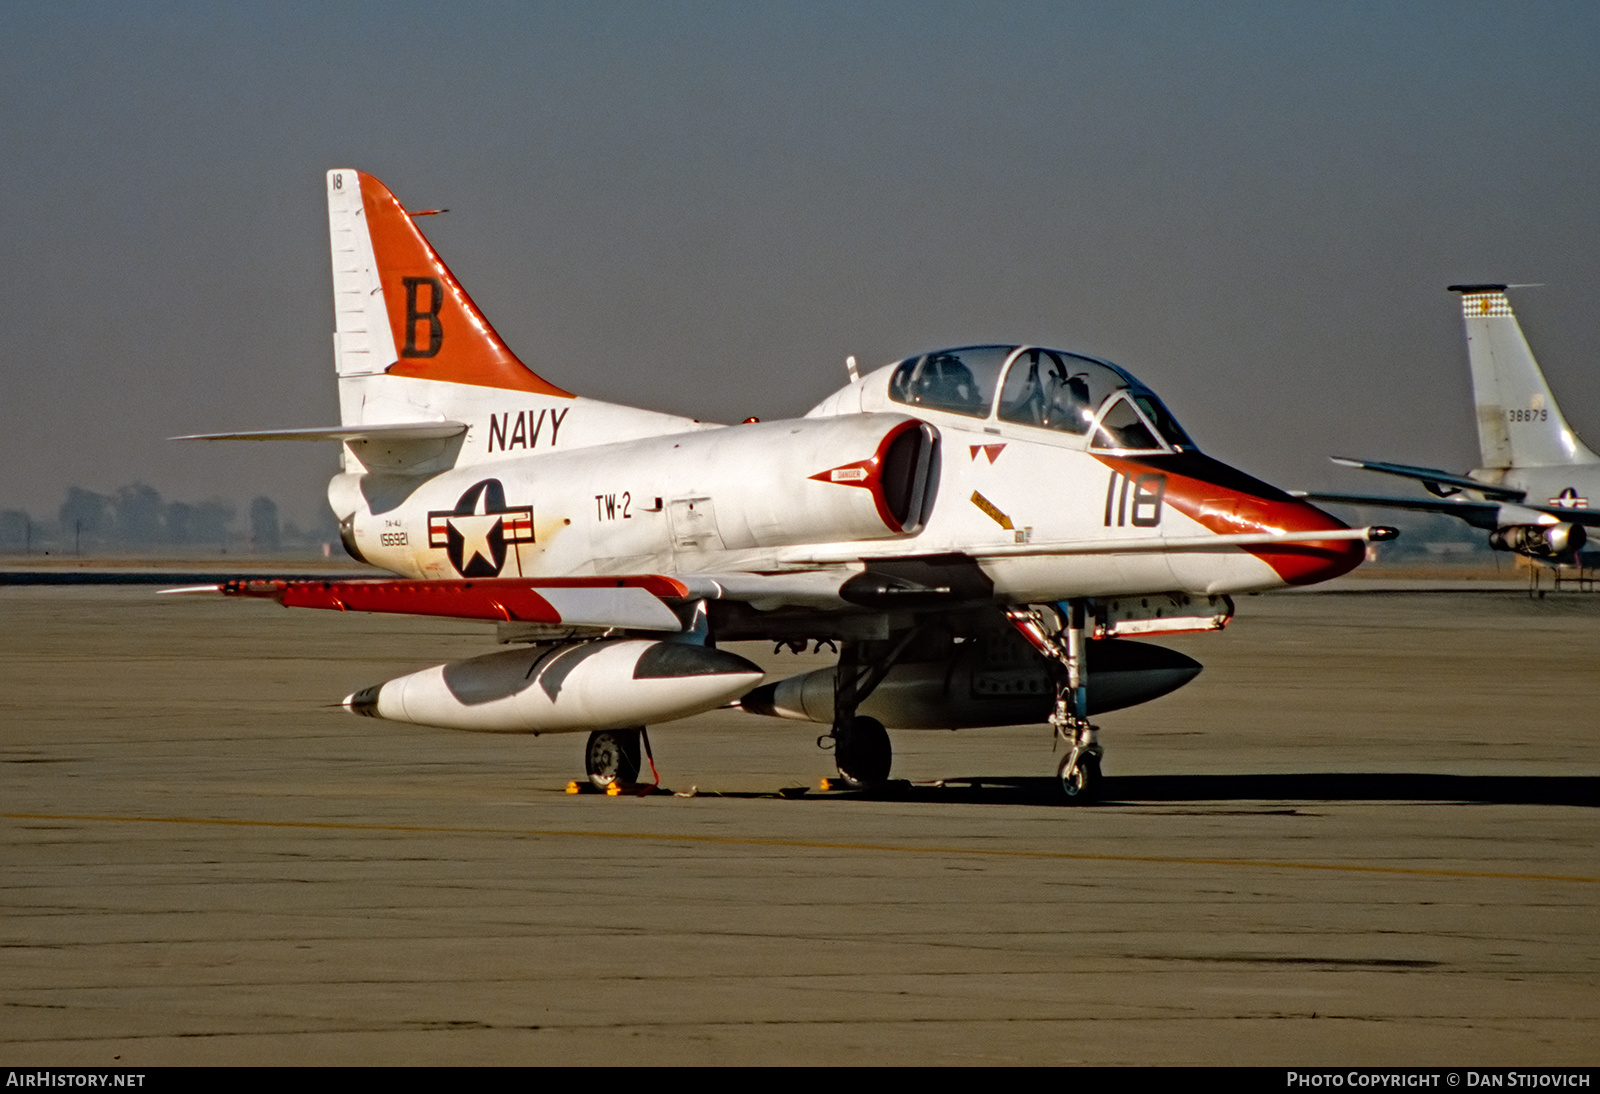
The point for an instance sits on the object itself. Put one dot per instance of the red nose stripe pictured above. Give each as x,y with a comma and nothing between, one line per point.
1228,502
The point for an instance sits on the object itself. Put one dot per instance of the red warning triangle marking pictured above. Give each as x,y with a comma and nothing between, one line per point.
991,450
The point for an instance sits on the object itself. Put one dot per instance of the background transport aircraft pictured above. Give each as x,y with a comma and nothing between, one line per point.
977,530
1532,491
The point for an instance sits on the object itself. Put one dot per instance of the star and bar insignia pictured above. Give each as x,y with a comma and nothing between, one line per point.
476,533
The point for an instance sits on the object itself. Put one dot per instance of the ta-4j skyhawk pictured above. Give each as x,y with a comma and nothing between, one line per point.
979,530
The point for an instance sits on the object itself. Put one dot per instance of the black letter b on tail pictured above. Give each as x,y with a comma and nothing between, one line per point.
431,317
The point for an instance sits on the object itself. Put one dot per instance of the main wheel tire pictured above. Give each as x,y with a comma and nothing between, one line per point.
863,753
1082,783
612,757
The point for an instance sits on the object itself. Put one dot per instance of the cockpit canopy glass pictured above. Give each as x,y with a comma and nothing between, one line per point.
1057,390
1043,388
960,381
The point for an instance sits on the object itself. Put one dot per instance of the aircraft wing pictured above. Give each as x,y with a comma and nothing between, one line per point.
1439,483
644,602
1133,545
632,603
1168,544
1586,517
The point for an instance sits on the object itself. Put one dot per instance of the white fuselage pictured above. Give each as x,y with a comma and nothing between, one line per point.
790,495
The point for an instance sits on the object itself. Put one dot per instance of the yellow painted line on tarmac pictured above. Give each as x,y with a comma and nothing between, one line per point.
810,845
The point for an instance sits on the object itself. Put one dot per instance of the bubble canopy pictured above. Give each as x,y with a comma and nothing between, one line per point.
1044,388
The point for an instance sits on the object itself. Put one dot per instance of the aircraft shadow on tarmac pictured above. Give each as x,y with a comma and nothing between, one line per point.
1171,789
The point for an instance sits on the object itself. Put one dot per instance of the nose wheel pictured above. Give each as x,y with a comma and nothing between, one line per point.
1079,776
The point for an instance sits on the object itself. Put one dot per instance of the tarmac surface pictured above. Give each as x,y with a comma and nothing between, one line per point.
1365,835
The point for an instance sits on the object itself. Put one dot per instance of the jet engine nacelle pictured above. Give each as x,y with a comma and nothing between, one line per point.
966,690
1549,541
576,687
815,480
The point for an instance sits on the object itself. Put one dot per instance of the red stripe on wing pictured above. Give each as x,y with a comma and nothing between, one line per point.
505,599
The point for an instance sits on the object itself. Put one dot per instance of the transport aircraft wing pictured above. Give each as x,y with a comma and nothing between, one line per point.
978,531
1473,512
1479,514
1442,484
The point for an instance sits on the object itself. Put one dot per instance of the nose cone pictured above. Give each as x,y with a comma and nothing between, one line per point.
1308,563
1229,502
364,702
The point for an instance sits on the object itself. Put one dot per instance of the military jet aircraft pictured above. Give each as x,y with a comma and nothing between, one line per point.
977,530
1531,493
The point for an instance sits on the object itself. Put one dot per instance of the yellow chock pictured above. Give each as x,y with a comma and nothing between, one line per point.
826,785
572,787
613,790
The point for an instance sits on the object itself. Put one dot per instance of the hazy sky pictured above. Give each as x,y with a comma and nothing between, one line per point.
704,207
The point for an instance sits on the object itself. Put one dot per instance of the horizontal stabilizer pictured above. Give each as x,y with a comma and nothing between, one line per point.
1439,483
395,431
628,603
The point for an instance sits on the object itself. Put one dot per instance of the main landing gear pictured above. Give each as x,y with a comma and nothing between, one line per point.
862,752
861,748
1063,641
612,758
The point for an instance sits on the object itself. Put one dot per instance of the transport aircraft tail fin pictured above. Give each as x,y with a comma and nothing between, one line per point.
1519,423
401,315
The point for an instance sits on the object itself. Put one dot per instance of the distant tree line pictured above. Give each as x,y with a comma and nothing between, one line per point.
137,519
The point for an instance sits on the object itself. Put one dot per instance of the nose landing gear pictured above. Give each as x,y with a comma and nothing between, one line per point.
1062,641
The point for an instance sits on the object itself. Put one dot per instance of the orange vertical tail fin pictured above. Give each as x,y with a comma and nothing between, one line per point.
399,309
